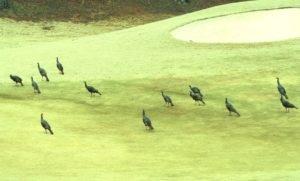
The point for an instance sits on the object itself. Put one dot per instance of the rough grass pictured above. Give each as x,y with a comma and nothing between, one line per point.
103,138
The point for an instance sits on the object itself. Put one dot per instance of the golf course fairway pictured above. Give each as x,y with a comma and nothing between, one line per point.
103,137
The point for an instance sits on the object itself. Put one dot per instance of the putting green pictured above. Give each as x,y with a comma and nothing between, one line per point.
259,26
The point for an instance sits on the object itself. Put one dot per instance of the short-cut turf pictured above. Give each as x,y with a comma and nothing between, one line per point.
103,138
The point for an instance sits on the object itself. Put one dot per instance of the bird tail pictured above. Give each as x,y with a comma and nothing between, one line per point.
151,127
47,79
21,84
172,104
296,107
62,72
286,97
203,102
38,91
99,93
51,131
238,113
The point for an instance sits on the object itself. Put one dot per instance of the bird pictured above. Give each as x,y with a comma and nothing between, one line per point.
197,97
45,125
147,121
35,86
196,90
91,89
230,108
281,89
43,72
59,66
287,104
167,99
17,79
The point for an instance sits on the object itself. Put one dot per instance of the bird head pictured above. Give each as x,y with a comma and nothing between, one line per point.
31,78
10,75
226,100
144,112
190,86
42,115
56,59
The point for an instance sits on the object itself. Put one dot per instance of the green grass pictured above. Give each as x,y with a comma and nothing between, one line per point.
103,138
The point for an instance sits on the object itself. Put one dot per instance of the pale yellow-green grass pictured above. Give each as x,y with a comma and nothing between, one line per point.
103,137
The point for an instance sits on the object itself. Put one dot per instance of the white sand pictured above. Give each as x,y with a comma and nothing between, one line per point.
260,26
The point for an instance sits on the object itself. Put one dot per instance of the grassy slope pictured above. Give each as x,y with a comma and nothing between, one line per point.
103,137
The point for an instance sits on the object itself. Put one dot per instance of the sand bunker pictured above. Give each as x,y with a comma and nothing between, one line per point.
260,26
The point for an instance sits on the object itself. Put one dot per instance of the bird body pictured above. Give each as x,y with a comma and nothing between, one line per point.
281,89
147,121
230,107
91,89
16,79
287,104
35,86
167,99
46,125
196,97
59,66
196,90
43,72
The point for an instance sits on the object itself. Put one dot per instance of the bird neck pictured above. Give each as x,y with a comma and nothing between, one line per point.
278,81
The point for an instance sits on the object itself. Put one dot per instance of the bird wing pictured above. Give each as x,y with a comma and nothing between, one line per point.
230,107
290,105
146,121
281,89
45,124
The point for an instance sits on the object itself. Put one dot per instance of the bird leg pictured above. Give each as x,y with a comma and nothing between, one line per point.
45,131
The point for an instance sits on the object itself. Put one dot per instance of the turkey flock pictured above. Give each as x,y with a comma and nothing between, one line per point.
194,92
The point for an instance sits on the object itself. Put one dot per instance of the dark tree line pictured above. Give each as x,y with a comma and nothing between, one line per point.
4,4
